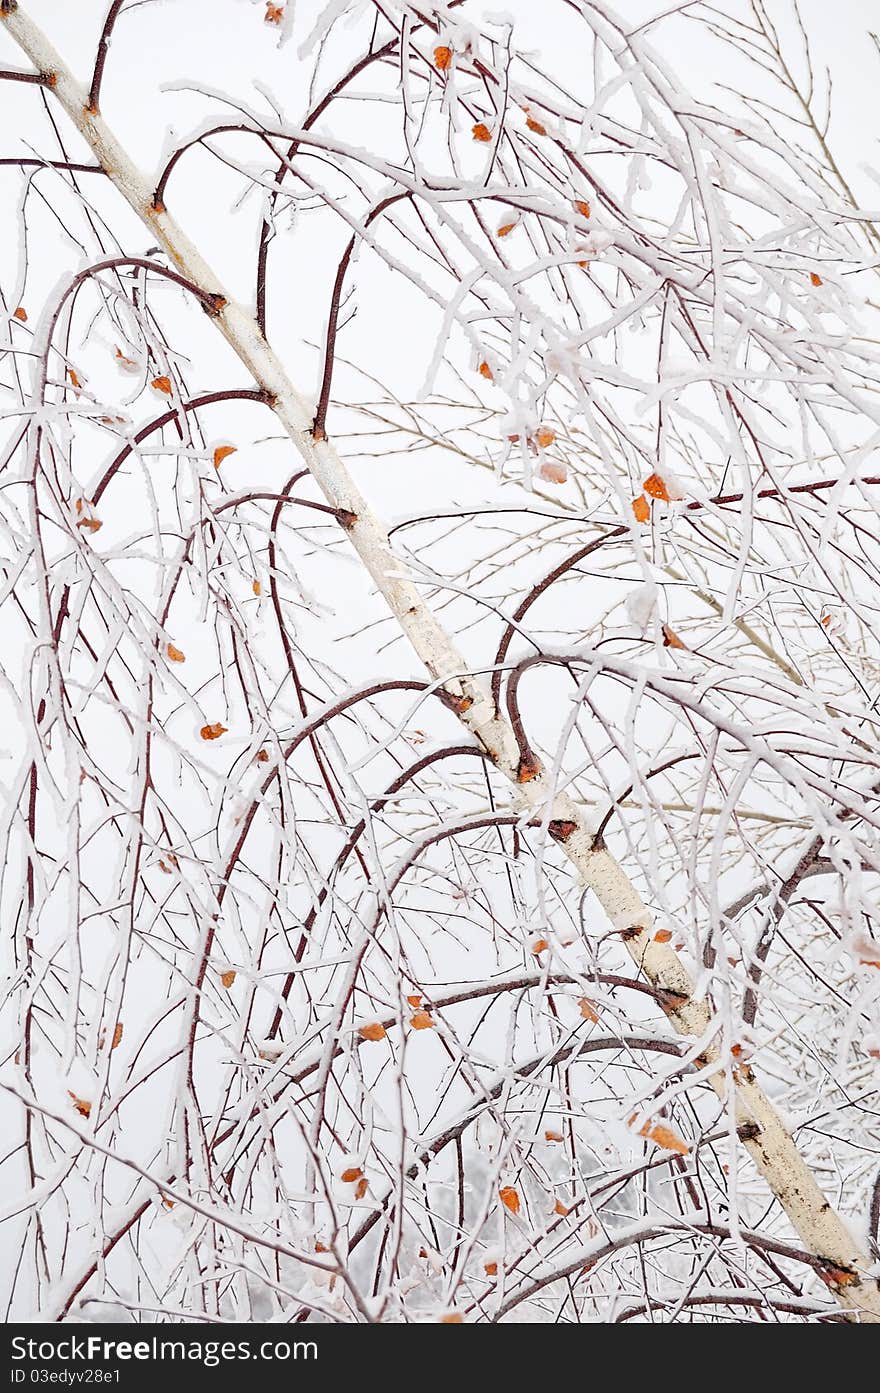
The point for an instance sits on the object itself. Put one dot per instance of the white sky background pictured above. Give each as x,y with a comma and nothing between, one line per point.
224,46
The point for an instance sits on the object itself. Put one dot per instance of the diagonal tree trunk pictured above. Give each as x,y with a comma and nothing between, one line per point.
845,1263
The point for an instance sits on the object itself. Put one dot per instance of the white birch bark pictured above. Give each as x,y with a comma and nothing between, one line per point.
845,1263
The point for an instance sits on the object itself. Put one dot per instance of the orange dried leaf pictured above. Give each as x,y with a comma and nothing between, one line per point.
74,378
262,756
506,228
490,1269
274,14
421,1020
641,509
554,471
213,731
169,1204
162,384
560,1209
540,945
227,978
814,279
545,436
838,1276
481,132
90,524
414,1000
443,58
117,1035
82,1105
175,654
588,1010
452,1318
361,1188
663,936
485,371
373,1031
551,1135
256,587
582,207
535,126
655,487
671,639
662,1135
20,313
509,1198
222,452
351,1174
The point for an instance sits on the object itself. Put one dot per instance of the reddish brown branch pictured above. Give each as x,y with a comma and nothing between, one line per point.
320,421
101,57
40,79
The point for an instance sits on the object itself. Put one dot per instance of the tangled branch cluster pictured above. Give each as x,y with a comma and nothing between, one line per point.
307,1018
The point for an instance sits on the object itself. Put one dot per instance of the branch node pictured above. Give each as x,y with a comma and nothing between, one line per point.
453,702
835,1275
748,1131
671,1000
346,518
561,829
528,768
214,304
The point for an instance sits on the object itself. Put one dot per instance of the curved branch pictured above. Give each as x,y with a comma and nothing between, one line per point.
166,417
535,594
595,1253
101,56
320,421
